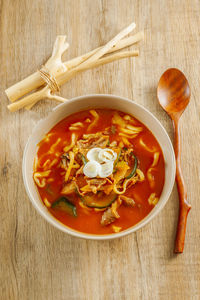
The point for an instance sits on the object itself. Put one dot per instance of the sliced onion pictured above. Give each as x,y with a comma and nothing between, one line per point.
107,155
91,169
106,169
93,155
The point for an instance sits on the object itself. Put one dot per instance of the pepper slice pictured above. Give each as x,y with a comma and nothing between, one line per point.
118,157
84,160
134,167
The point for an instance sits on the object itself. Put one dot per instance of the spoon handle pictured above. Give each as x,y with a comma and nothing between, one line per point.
184,207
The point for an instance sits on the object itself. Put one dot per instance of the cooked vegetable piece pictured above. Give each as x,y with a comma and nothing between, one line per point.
116,228
111,214
113,129
91,169
106,169
134,167
100,200
49,189
127,200
153,200
108,217
118,157
46,202
65,205
117,119
121,170
107,154
69,188
93,154
93,185
84,160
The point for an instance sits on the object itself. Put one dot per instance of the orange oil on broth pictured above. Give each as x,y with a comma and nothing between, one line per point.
88,221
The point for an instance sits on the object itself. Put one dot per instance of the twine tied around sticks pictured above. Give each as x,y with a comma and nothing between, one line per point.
49,79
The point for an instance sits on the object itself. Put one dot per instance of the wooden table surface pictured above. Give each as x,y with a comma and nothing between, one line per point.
38,261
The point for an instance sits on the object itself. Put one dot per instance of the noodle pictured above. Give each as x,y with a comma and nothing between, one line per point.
127,118
46,202
38,175
126,141
73,128
153,200
96,118
45,164
85,208
140,174
145,146
80,124
134,128
71,156
35,163
118,120
155,159
52,148
73,140
128,136
150,177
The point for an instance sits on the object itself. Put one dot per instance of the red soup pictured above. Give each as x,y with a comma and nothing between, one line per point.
99,171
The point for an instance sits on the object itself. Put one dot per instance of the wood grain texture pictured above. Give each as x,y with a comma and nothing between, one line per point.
38,261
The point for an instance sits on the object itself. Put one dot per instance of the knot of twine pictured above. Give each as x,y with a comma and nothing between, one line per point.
49,79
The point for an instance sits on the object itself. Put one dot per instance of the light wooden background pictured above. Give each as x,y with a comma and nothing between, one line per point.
36,260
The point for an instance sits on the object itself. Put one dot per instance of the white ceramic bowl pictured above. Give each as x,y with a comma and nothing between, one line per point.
88,102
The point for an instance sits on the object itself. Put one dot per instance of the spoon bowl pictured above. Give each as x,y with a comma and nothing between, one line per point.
173,92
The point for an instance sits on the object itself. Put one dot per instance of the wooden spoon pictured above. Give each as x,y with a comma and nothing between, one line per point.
173,94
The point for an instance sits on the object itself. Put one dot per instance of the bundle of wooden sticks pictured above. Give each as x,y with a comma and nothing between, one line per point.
45,82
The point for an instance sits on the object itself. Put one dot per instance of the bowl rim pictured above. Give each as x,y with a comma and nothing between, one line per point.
56,223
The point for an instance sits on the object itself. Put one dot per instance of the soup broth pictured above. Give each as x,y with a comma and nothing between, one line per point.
99,171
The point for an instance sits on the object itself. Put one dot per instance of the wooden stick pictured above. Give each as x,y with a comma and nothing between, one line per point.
46,93
24,86
110,44
42,96
34,98
121,44
62,78
54,63
126,42
34,81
